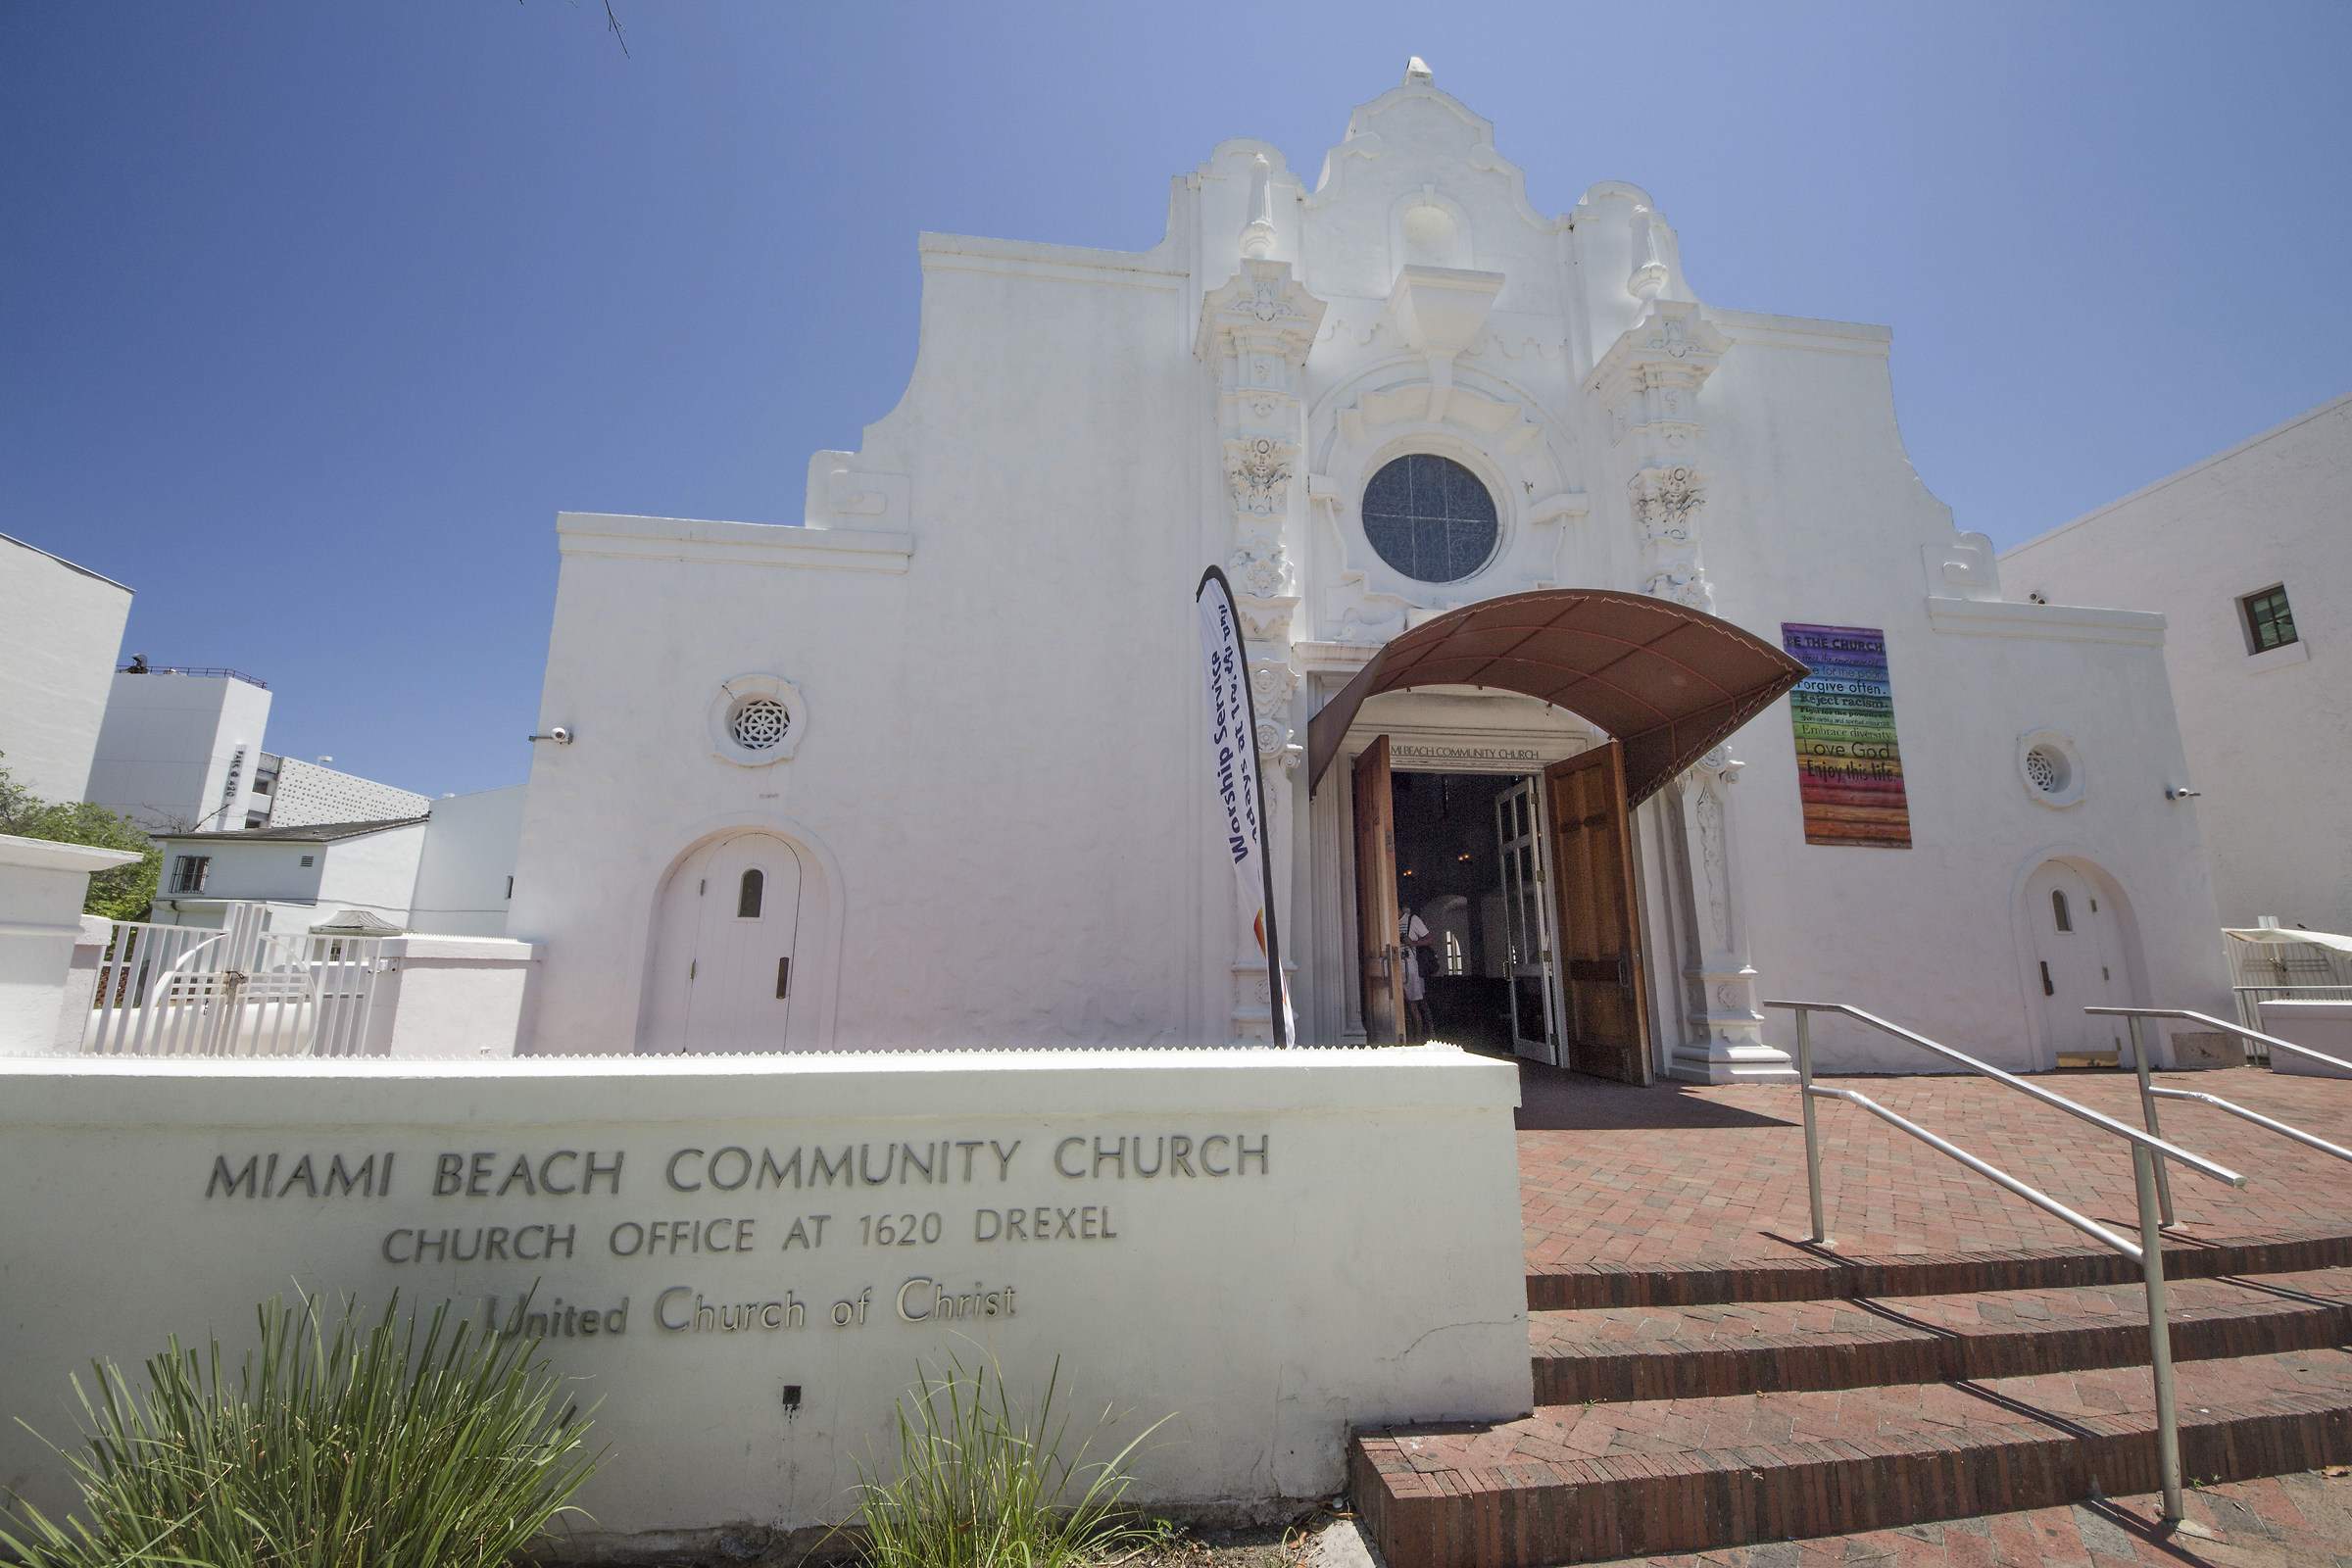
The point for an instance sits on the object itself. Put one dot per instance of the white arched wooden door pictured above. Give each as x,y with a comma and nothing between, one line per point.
723,977
2077,959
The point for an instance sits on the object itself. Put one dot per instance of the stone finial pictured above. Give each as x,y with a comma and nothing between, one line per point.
1257,233
1651,274
1417,71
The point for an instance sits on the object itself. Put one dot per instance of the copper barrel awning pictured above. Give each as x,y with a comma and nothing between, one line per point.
1669,682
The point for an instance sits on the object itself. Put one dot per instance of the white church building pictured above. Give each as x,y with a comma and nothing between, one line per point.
929,772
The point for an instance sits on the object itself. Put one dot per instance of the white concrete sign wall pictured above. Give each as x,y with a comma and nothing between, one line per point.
1265,1246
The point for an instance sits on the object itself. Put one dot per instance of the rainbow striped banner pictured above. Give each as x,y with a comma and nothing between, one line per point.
1850,771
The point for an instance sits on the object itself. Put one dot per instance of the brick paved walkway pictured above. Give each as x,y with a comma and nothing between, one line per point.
2294,1521
1612,1174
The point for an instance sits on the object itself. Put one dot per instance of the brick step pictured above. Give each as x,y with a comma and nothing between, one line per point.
1817,1276
1674,1352
1593,1483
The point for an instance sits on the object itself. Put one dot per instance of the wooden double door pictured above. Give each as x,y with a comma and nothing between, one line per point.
1583,855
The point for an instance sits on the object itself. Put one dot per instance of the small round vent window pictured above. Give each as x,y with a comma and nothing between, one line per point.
759,725
2046,769
755,720
1429,518
2050,769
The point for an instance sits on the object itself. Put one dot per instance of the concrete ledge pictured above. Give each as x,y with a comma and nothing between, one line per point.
1823,1277
1978,617
538,1091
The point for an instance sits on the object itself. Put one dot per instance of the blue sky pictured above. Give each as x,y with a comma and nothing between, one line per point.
313,315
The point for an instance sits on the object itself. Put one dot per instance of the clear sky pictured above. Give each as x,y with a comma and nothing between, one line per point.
313,315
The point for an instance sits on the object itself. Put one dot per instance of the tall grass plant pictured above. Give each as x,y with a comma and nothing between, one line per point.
981,1483
333,1445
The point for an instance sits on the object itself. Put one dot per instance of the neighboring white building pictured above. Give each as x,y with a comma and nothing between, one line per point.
292,793
465,876
61,627
930,771
180,749
448,871
2248,555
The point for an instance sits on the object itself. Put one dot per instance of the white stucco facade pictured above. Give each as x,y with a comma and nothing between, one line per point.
990,804
2268,731
61,627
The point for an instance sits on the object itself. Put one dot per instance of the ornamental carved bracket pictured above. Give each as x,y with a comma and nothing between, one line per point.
1264,307
1672,347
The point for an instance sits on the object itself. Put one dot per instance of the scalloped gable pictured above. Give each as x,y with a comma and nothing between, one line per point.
1419,116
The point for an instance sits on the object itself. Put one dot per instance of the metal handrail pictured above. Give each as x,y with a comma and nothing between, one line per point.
2151,1091
2146,1173
2121,1128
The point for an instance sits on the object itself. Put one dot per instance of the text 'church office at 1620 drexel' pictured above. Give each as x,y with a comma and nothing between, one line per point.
1531,544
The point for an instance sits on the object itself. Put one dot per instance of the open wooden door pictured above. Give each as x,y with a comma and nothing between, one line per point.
1376,954
1600,934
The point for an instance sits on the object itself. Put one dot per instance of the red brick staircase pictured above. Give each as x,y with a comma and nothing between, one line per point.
1683,1409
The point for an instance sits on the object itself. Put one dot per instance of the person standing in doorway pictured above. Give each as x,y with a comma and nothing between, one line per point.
1413,936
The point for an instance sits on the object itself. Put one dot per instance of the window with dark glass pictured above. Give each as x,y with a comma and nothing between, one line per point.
746,899
2270,623
188,872
1429,518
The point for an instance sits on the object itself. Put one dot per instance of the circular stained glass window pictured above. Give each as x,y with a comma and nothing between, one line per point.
1429,518
759,724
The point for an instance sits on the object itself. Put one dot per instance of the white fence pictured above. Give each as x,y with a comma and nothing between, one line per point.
238,991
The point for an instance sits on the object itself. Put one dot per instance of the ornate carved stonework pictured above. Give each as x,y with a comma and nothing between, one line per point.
1649,382
1666,502
1256,333
1257,468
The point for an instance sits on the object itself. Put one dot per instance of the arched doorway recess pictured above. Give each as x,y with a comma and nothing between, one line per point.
2081,952
1666,682
726,932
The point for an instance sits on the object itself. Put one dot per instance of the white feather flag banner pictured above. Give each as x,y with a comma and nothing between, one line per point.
1240,792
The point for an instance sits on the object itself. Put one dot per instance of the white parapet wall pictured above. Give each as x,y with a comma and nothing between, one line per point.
452,996
42,938
1264,1246
2322,1026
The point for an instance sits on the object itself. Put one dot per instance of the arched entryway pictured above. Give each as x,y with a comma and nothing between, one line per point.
1665,683
726,930
2081,955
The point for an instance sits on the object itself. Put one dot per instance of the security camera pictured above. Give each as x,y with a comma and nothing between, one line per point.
559,735
2178,793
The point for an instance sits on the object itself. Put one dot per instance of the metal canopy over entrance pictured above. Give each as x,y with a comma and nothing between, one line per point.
1668,682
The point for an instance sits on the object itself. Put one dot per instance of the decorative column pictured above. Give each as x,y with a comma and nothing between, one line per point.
1256,333
1722,1038
1649,382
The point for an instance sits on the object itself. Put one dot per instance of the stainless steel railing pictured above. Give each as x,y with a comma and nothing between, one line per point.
2147,1150
2151,1091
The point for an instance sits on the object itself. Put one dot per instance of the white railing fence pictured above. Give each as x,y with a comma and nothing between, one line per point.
235,991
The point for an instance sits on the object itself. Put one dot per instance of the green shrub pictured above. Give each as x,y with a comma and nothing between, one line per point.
982,1484
124,893
333,1447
